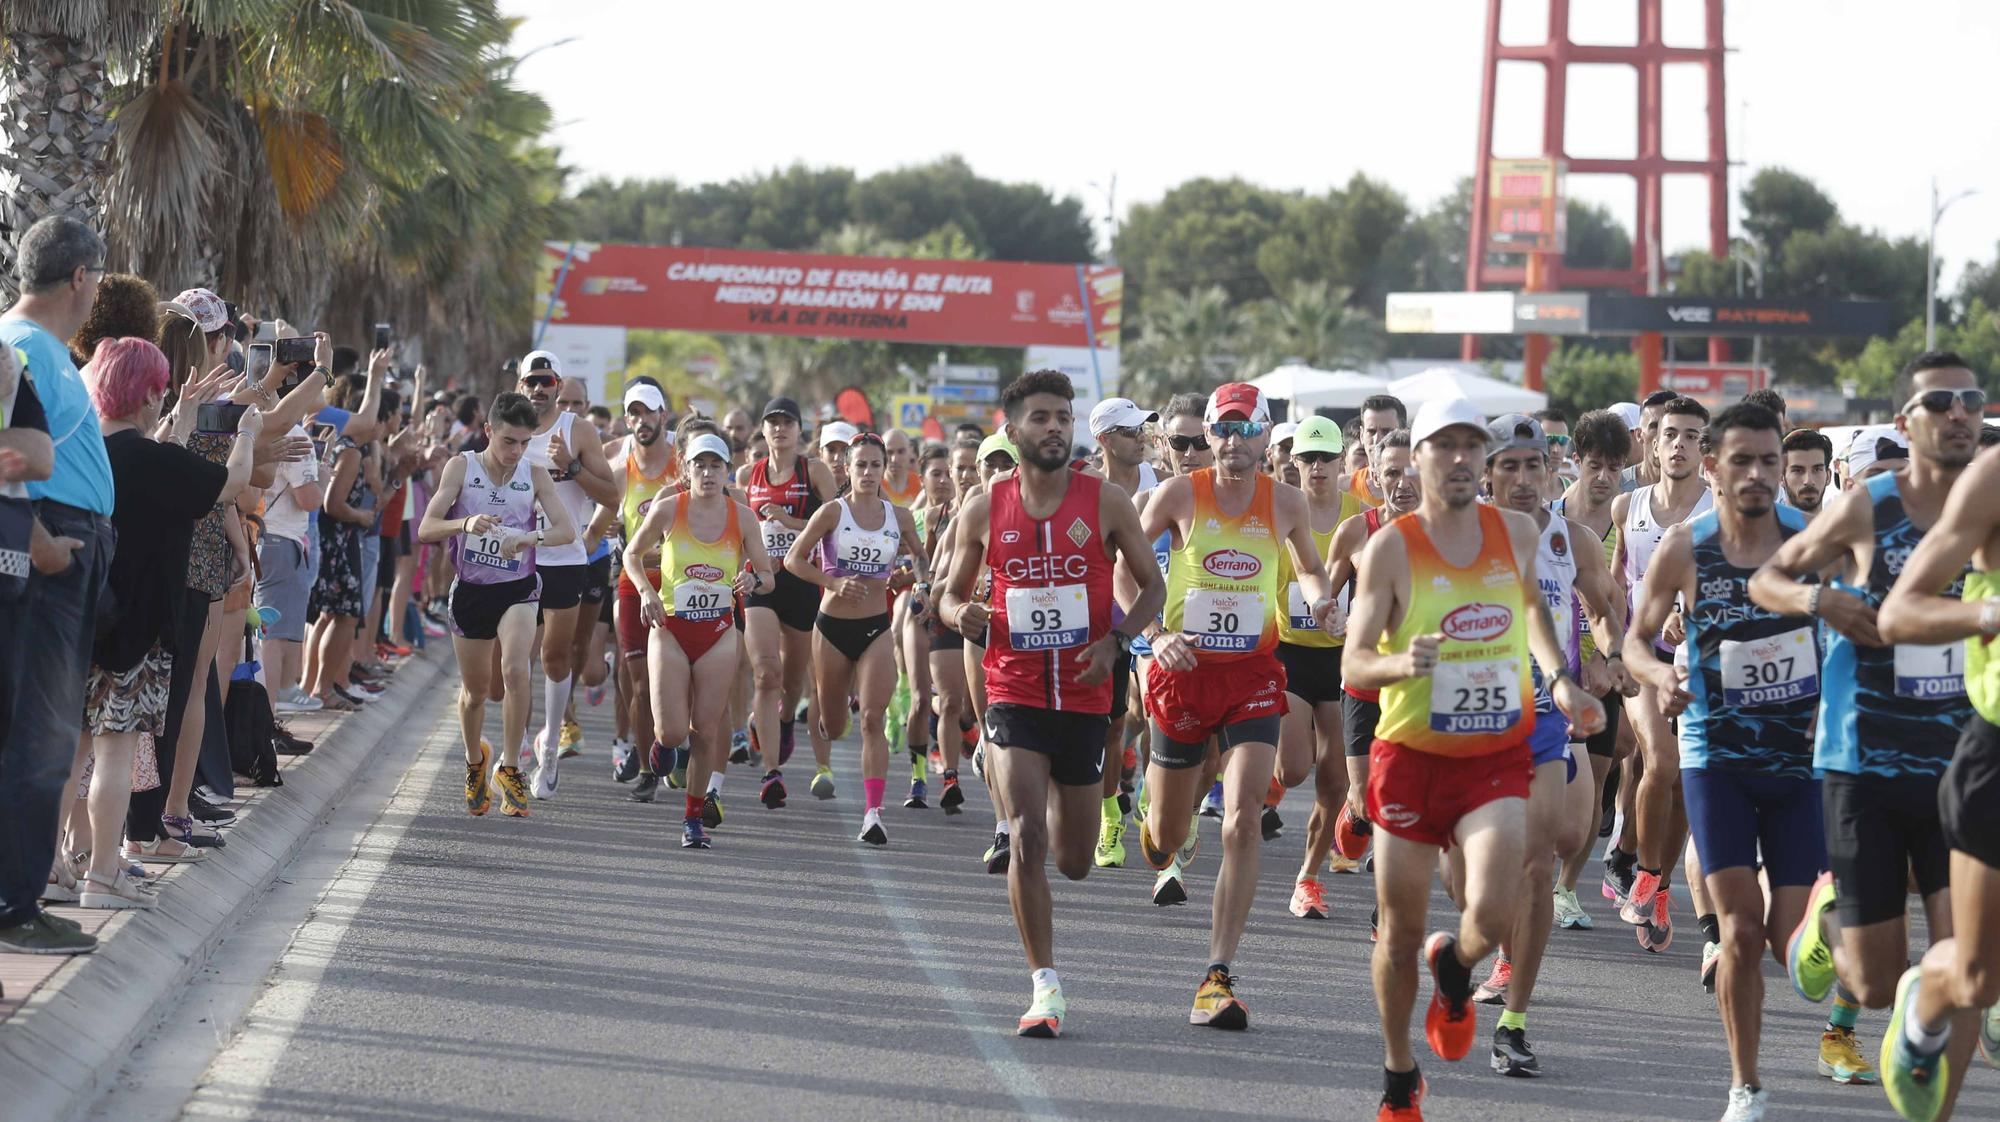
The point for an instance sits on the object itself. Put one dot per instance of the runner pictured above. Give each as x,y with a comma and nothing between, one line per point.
1808,468
591,664
575,462
996,456
902,484
1644,517
1051,537
1448,644
644,465
704,539
1216,672
1381,414
1888,716
784,489
834,439
1746,698
488,506
849,549
1119,426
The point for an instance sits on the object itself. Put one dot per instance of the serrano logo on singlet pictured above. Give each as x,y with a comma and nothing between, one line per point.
1042,567
1477,623
704,572
1232,564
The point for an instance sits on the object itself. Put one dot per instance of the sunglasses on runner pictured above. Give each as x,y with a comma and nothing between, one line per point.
1133,431
1223,430
1939,401
1188,443
1315,457
1559,441
539,378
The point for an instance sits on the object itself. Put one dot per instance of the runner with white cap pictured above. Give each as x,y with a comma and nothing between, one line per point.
1279,456
833,442
1119,426
643,464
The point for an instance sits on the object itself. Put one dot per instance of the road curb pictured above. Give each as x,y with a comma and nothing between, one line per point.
69,1040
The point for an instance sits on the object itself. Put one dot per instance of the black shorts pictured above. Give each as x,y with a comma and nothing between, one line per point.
385,562
796,601
1312,674
562,585
1121,683
597,580
1605,741
852,637
475,609
1969,794
1358,718
1073,742
1881,831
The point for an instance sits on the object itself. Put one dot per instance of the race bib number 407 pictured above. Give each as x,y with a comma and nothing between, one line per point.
1770,671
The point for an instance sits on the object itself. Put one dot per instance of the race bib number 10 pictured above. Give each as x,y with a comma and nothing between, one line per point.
482,551
1048,619
1770,671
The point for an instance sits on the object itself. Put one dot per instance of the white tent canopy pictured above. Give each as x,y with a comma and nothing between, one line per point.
1492,396
1308,388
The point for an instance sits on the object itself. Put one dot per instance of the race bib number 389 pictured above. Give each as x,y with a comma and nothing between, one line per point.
1771,670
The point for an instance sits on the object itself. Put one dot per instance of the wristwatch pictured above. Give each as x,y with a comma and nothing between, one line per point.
1123,640
325,374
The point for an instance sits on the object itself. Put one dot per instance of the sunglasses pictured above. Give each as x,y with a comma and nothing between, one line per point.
539,378
1939,401
1132,431
1188,443
1223,430
1315,457
1559,441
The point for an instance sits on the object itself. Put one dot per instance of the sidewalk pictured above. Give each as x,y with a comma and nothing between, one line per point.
67,1023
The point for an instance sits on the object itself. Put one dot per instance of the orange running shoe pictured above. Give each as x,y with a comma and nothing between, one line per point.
1411,1113
1155,857
478,796
1309,899
513,791
1638,906
1449,1030
1350,835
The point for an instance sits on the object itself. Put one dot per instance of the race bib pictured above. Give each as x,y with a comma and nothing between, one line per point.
1476,696
482,552
865,554
699,601
1927,672
778,539
1770,671
1298,610
1223,620
1048,619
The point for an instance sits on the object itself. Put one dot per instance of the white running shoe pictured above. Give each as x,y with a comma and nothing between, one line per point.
1569,912
1746,1105
871,828
295,700
542,784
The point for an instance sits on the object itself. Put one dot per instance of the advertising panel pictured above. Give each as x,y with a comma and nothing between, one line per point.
1451,313
1524,206
1726,316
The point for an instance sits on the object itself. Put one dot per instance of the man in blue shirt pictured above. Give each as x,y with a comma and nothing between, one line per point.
61,260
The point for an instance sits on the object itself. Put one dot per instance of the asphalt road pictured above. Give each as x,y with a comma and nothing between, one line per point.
580,965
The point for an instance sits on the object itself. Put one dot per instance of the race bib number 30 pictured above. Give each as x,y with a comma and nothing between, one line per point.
699,601
1476,697
1770,671
1924,672
1223,620
1048,619
482,551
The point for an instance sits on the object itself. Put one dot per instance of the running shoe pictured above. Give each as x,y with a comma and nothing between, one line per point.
1216,1004
1840,1058
1493,991
1350,834
1638,903
513,791
1512,1056
916,801
1914,1082
711,810
692,834
1211,803
1989,1035
624,761
202,810
1569,913
787,731
547,757
952,800
678,777
1808,958
1618,883
871,828
1657,934
1110,844
1044,1016
822,784
1711,961
998,854
1411,1113
1449,1030
739,747
1335,863
1168,888
478,795
1271,824
1308,899
645,788
1746,1104
771,792
571,741
1192,845
1156,857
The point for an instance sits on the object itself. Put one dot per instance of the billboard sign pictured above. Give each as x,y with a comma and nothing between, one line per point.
1715,384
1713,315
1451,313
1552,313
902,300
1524,206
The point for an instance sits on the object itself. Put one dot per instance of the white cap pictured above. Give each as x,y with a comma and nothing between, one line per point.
646,395
1628,412
706,442
837,432
1864,448
553,363
1118,413
1440,413
1284,432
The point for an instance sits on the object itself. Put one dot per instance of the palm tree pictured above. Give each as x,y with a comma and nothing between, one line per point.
55,127
1185,340
1313,323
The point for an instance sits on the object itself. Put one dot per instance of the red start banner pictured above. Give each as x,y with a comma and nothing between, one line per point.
902,300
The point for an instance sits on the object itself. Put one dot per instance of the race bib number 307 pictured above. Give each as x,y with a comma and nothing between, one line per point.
1770,671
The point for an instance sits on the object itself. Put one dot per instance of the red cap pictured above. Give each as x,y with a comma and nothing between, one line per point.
1239,401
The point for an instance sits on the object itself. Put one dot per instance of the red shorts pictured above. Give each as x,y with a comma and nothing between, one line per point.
1421,796
1192,705
695,638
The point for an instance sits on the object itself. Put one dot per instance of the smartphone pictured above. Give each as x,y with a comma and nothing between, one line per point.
322,437
383,334
218,416
259,364
295,350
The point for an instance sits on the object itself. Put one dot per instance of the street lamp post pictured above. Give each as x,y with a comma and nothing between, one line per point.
1756,263
1930,261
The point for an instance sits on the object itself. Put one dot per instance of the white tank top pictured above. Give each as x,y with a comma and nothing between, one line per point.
1555,576
854,551
1148,479
568,490
1643,530
477,557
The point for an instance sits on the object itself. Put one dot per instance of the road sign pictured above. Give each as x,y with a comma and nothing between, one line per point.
964,391
908,410
949,372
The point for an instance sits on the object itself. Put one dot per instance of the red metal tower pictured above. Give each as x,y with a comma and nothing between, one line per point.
1545,272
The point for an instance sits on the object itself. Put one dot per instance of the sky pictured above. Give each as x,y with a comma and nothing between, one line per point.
1869,99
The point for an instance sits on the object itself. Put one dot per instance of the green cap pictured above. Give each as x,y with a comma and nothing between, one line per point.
1318,434
998,442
